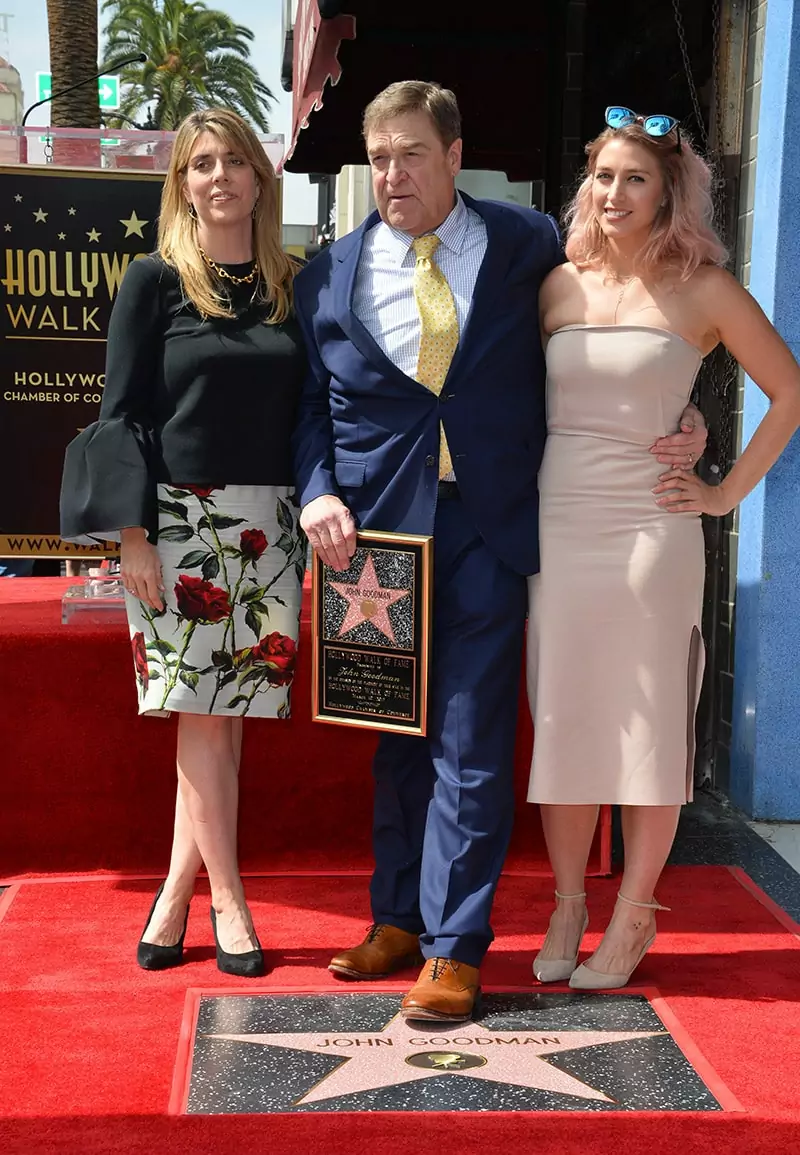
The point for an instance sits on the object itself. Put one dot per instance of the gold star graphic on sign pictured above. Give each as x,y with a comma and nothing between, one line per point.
62,236
133,226
18,198
40,215
72,212
93,235
8,228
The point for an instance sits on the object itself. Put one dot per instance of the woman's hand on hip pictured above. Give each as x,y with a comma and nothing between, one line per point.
141,567
330,529
682,492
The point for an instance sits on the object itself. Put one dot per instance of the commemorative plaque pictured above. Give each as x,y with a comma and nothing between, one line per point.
371,635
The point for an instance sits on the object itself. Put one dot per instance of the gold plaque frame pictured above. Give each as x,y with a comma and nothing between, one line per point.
399,701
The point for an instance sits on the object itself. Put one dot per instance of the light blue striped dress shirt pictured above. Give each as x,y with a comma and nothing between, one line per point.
383,299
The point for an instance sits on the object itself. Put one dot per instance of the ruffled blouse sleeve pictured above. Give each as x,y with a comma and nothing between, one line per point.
110,469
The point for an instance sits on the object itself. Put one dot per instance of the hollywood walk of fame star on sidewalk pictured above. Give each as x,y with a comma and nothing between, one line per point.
368,601
375,1059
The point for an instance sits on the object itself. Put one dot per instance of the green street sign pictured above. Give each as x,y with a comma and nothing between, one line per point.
107,89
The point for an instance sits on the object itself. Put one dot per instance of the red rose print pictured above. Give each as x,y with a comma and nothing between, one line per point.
278,653
140,659
202,490
200,601
252,543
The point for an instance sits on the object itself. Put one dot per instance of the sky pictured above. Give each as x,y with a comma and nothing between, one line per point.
26,46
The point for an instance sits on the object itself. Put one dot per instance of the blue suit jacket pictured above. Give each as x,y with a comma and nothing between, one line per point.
370,434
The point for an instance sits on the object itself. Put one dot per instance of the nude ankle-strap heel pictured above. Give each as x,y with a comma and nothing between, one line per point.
586,979
557,970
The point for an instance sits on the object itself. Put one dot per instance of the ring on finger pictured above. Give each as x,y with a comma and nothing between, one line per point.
690,457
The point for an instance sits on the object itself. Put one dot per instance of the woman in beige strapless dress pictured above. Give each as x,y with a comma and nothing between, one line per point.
615,652
617,607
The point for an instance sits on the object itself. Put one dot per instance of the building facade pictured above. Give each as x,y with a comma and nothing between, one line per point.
11,95
765,751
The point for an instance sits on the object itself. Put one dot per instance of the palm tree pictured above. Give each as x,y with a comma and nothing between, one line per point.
196,58
72,26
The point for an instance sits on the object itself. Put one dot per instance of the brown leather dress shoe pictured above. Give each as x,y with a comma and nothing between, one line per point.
446,990
385,949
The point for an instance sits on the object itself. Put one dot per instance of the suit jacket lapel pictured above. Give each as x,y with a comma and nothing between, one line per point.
501,239
499,251
344,285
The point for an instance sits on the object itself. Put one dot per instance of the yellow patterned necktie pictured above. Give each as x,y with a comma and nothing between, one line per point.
439,336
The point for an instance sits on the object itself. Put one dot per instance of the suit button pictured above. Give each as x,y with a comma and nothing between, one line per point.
430,461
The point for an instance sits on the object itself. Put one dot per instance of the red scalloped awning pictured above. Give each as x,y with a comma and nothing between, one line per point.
315,62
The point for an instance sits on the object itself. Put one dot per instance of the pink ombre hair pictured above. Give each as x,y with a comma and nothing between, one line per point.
683,235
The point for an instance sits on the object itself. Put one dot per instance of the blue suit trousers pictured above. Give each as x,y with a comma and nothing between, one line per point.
444,803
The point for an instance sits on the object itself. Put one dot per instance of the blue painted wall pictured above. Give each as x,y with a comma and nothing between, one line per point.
765,757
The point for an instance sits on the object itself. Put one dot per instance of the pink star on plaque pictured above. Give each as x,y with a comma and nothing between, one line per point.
368,601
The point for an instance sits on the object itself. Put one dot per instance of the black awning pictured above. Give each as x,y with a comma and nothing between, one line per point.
503,62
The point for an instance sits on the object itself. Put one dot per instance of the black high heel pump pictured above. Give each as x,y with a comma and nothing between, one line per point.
152,957
249,965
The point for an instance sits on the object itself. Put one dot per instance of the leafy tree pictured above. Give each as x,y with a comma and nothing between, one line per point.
197,58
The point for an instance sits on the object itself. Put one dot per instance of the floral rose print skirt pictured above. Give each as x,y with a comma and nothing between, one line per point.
233,559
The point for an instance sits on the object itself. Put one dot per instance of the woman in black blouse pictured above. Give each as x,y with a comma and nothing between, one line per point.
189,467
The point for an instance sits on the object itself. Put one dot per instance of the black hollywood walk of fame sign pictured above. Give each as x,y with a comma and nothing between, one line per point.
67,237
523,1052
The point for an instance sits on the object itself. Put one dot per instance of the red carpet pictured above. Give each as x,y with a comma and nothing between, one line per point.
88,785
91,1041
560,1134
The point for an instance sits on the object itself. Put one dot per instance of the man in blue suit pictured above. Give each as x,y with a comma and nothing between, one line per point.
424,413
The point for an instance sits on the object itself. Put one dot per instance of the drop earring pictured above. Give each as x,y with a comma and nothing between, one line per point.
192,211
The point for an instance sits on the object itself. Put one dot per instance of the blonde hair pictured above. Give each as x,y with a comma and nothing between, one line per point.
405,96
177,239
683,235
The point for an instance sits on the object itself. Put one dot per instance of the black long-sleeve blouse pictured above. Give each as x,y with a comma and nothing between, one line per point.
187,400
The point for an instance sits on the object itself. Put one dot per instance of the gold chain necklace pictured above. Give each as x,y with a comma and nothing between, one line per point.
218,269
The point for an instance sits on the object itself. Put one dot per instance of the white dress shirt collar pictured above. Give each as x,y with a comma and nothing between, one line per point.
451,232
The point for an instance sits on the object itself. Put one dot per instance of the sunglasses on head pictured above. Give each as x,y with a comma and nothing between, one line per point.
657,125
